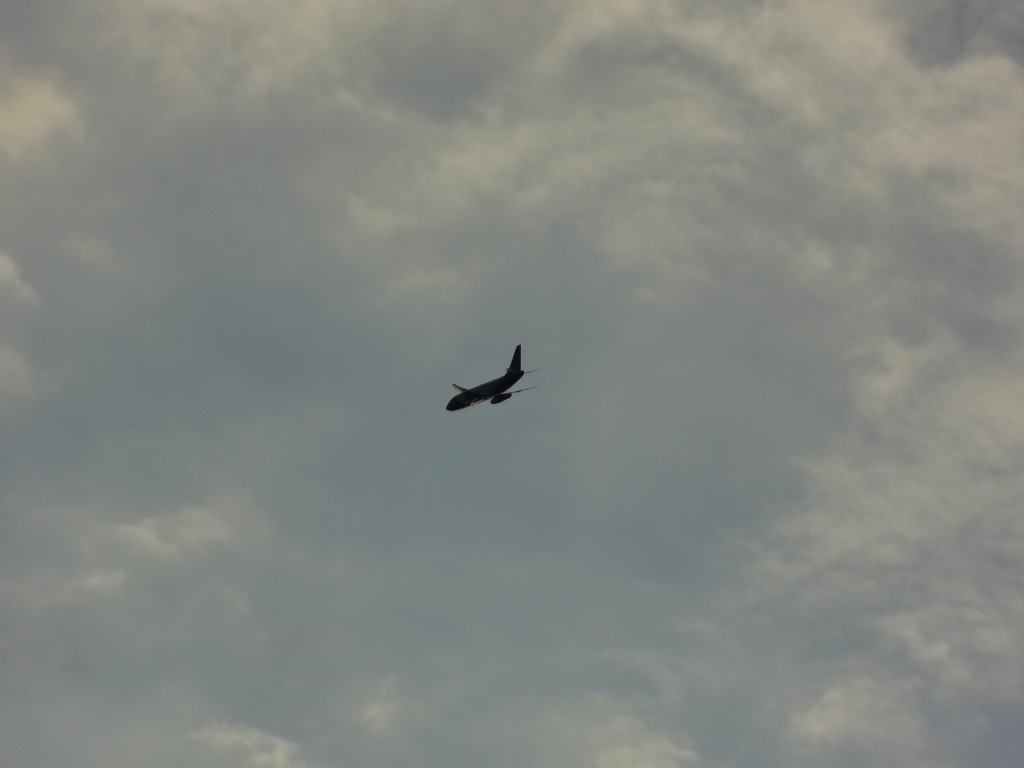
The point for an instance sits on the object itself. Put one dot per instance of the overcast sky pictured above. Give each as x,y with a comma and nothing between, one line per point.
764,510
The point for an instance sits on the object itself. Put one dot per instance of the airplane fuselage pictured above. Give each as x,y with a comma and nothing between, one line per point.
486,391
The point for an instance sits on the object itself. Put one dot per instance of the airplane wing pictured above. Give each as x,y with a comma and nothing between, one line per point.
460,389
516,391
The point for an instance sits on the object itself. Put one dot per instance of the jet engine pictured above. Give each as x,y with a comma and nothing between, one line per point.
500,398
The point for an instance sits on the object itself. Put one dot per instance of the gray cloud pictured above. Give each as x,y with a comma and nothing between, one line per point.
761,510
943,32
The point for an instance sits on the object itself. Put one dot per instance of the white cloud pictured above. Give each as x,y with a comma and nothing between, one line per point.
602,733
11,282
172,537
34,111
236,50
18,378
879,716
97,583
387,708
250,747
626,743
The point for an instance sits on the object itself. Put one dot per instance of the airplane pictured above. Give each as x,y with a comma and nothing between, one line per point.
493,390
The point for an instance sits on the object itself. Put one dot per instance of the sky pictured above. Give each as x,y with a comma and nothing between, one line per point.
764,509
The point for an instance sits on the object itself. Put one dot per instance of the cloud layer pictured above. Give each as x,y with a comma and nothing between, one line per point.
763,509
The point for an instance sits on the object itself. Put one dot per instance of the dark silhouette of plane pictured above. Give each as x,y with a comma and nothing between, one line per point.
493,390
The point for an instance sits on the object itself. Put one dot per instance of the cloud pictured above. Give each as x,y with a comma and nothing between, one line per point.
249,747
597,733
19,378
944,32
12,283
171,538
34,111
762,510
878,716
232,50
387,707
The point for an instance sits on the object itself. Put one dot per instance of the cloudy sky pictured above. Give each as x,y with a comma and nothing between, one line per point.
765,509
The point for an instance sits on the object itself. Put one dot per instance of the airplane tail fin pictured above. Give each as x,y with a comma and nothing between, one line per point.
516,365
